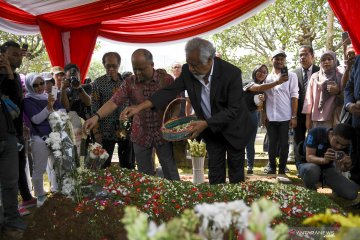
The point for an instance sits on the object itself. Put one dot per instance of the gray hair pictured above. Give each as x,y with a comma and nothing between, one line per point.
205,48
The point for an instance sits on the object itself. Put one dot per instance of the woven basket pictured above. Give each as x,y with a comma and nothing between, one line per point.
167,129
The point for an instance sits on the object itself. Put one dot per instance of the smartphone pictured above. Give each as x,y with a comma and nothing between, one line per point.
339,155
54,91
284,71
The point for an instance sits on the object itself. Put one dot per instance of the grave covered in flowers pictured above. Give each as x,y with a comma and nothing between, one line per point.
104,195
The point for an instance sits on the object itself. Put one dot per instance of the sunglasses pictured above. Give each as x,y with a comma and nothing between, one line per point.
35,85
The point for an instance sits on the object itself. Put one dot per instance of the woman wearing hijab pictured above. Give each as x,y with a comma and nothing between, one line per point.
321,94
37,106
255,98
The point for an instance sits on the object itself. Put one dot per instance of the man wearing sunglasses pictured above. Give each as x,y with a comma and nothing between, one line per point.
103,89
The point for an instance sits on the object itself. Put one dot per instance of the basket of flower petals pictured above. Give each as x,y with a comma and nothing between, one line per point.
179,128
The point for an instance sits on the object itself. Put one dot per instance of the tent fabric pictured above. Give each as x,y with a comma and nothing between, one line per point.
347,13
135,21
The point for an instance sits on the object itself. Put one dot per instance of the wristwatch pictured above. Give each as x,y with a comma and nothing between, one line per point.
293,117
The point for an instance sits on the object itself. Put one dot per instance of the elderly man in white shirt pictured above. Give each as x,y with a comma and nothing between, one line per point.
281,110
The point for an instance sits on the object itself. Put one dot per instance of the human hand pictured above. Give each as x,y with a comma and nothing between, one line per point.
128,112
333,88
5,65
51,101
282,79
293,123
64,84
345,163
90,124
329,156
354,108
350,58
197,127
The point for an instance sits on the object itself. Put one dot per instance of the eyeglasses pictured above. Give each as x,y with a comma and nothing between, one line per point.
108,66
35,85
176,67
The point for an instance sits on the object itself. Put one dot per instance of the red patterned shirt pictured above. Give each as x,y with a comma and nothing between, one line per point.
146,125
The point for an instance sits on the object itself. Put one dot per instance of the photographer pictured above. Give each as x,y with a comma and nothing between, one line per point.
74,96
324,156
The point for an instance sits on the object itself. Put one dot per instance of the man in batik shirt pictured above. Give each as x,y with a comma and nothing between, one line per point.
103,89
145,132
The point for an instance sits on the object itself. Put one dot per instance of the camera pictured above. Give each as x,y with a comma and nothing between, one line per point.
284,71
339,155
74,81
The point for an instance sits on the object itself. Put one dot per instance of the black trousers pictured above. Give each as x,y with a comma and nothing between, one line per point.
278,132
125,153
355,158
218,149
300,130
23,183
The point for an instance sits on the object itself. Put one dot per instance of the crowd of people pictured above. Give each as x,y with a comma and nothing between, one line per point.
308,100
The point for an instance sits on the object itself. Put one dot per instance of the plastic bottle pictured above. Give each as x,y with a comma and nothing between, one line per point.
291,136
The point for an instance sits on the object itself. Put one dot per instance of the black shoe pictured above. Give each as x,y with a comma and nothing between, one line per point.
282,171
250,171
271,171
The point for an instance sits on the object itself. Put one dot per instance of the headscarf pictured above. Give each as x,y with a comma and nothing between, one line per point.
29,81
257,69
325,77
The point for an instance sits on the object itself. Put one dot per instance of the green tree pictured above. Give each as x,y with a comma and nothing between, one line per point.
284,24
96,69
36,59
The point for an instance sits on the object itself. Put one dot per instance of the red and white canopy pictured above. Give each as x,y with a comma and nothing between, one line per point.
70,27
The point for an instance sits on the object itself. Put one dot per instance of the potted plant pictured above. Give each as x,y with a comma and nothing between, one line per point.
197,153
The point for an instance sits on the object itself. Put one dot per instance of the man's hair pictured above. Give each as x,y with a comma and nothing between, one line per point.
205,48
111,54
11,43
147,54
344,130
310,48
70,66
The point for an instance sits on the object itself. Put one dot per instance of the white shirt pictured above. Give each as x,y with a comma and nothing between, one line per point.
205,95
278,98
309,72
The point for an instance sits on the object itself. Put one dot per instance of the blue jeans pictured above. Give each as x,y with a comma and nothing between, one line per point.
9,176
250,147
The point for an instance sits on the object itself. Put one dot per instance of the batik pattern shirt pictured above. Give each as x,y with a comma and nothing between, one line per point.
146,125
103,89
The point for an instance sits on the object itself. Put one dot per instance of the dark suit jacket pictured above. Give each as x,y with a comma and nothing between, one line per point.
230,115
352,90
302,91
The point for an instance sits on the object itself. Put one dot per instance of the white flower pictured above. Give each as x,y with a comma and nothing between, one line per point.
154,229
56,146
68,186
57,154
